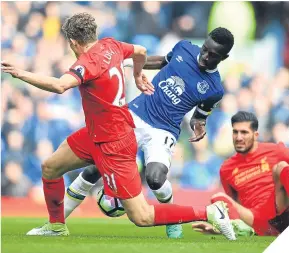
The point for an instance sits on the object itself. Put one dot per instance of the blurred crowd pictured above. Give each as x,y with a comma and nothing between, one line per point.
35,122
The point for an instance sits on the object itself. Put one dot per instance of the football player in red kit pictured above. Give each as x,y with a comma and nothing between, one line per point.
255,180
108,139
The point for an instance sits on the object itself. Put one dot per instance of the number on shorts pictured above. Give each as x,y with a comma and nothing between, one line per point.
118,101
110,181
169,141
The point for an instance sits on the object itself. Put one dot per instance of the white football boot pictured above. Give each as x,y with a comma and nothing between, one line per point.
218,216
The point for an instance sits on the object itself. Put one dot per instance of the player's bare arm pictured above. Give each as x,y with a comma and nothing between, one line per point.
152,63
204,227
201,113
198,125
43,82
155,62
139,58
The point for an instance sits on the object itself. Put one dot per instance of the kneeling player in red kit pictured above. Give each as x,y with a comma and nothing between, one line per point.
256,182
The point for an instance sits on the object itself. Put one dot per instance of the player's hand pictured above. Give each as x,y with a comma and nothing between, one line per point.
204,227
144,85
199,128
10,68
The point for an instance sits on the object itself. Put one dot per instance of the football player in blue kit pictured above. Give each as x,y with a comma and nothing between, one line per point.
188,79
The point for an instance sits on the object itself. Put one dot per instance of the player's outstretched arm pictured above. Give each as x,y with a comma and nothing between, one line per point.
139,58
48,83
155,62
204,227
203,110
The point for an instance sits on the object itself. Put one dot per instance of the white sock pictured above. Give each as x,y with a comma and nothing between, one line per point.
75,194
165,193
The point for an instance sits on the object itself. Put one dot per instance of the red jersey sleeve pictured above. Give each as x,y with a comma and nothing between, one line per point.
127,49
83,71
283,152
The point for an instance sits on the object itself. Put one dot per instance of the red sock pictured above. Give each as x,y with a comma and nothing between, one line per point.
284,178
174,214
54,191
233,213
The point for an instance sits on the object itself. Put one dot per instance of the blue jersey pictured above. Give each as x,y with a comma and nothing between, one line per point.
179,87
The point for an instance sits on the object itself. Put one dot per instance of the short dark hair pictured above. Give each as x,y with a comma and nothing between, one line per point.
243,116
80,27
223,37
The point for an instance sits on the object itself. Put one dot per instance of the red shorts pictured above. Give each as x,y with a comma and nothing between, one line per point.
116,162
266,219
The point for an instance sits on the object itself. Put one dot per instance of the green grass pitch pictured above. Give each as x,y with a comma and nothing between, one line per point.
118,236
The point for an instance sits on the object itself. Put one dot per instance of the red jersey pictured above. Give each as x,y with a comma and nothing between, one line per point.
101,76
250,175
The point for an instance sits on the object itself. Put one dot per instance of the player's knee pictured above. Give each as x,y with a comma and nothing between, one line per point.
219,196
277,169
156,175
48,171
91,174
143,218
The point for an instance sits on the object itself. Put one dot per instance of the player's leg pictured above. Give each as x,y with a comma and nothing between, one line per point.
117,164
158,152
79,189
236,211
269,217
241,217
256,219
157,145
64,159
144,215
156,177
281,180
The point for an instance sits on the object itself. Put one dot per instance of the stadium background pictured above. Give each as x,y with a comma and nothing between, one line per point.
35,122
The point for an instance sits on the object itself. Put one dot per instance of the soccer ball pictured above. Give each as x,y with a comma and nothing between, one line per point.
110,206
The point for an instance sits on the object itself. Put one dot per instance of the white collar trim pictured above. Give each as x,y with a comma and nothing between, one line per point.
208,70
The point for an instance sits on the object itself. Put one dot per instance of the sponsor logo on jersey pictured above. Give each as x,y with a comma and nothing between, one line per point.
265,166
173,87
241,177
80,69
235,171
202,87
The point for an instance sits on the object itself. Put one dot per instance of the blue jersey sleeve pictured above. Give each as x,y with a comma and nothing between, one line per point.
169,56
205,108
